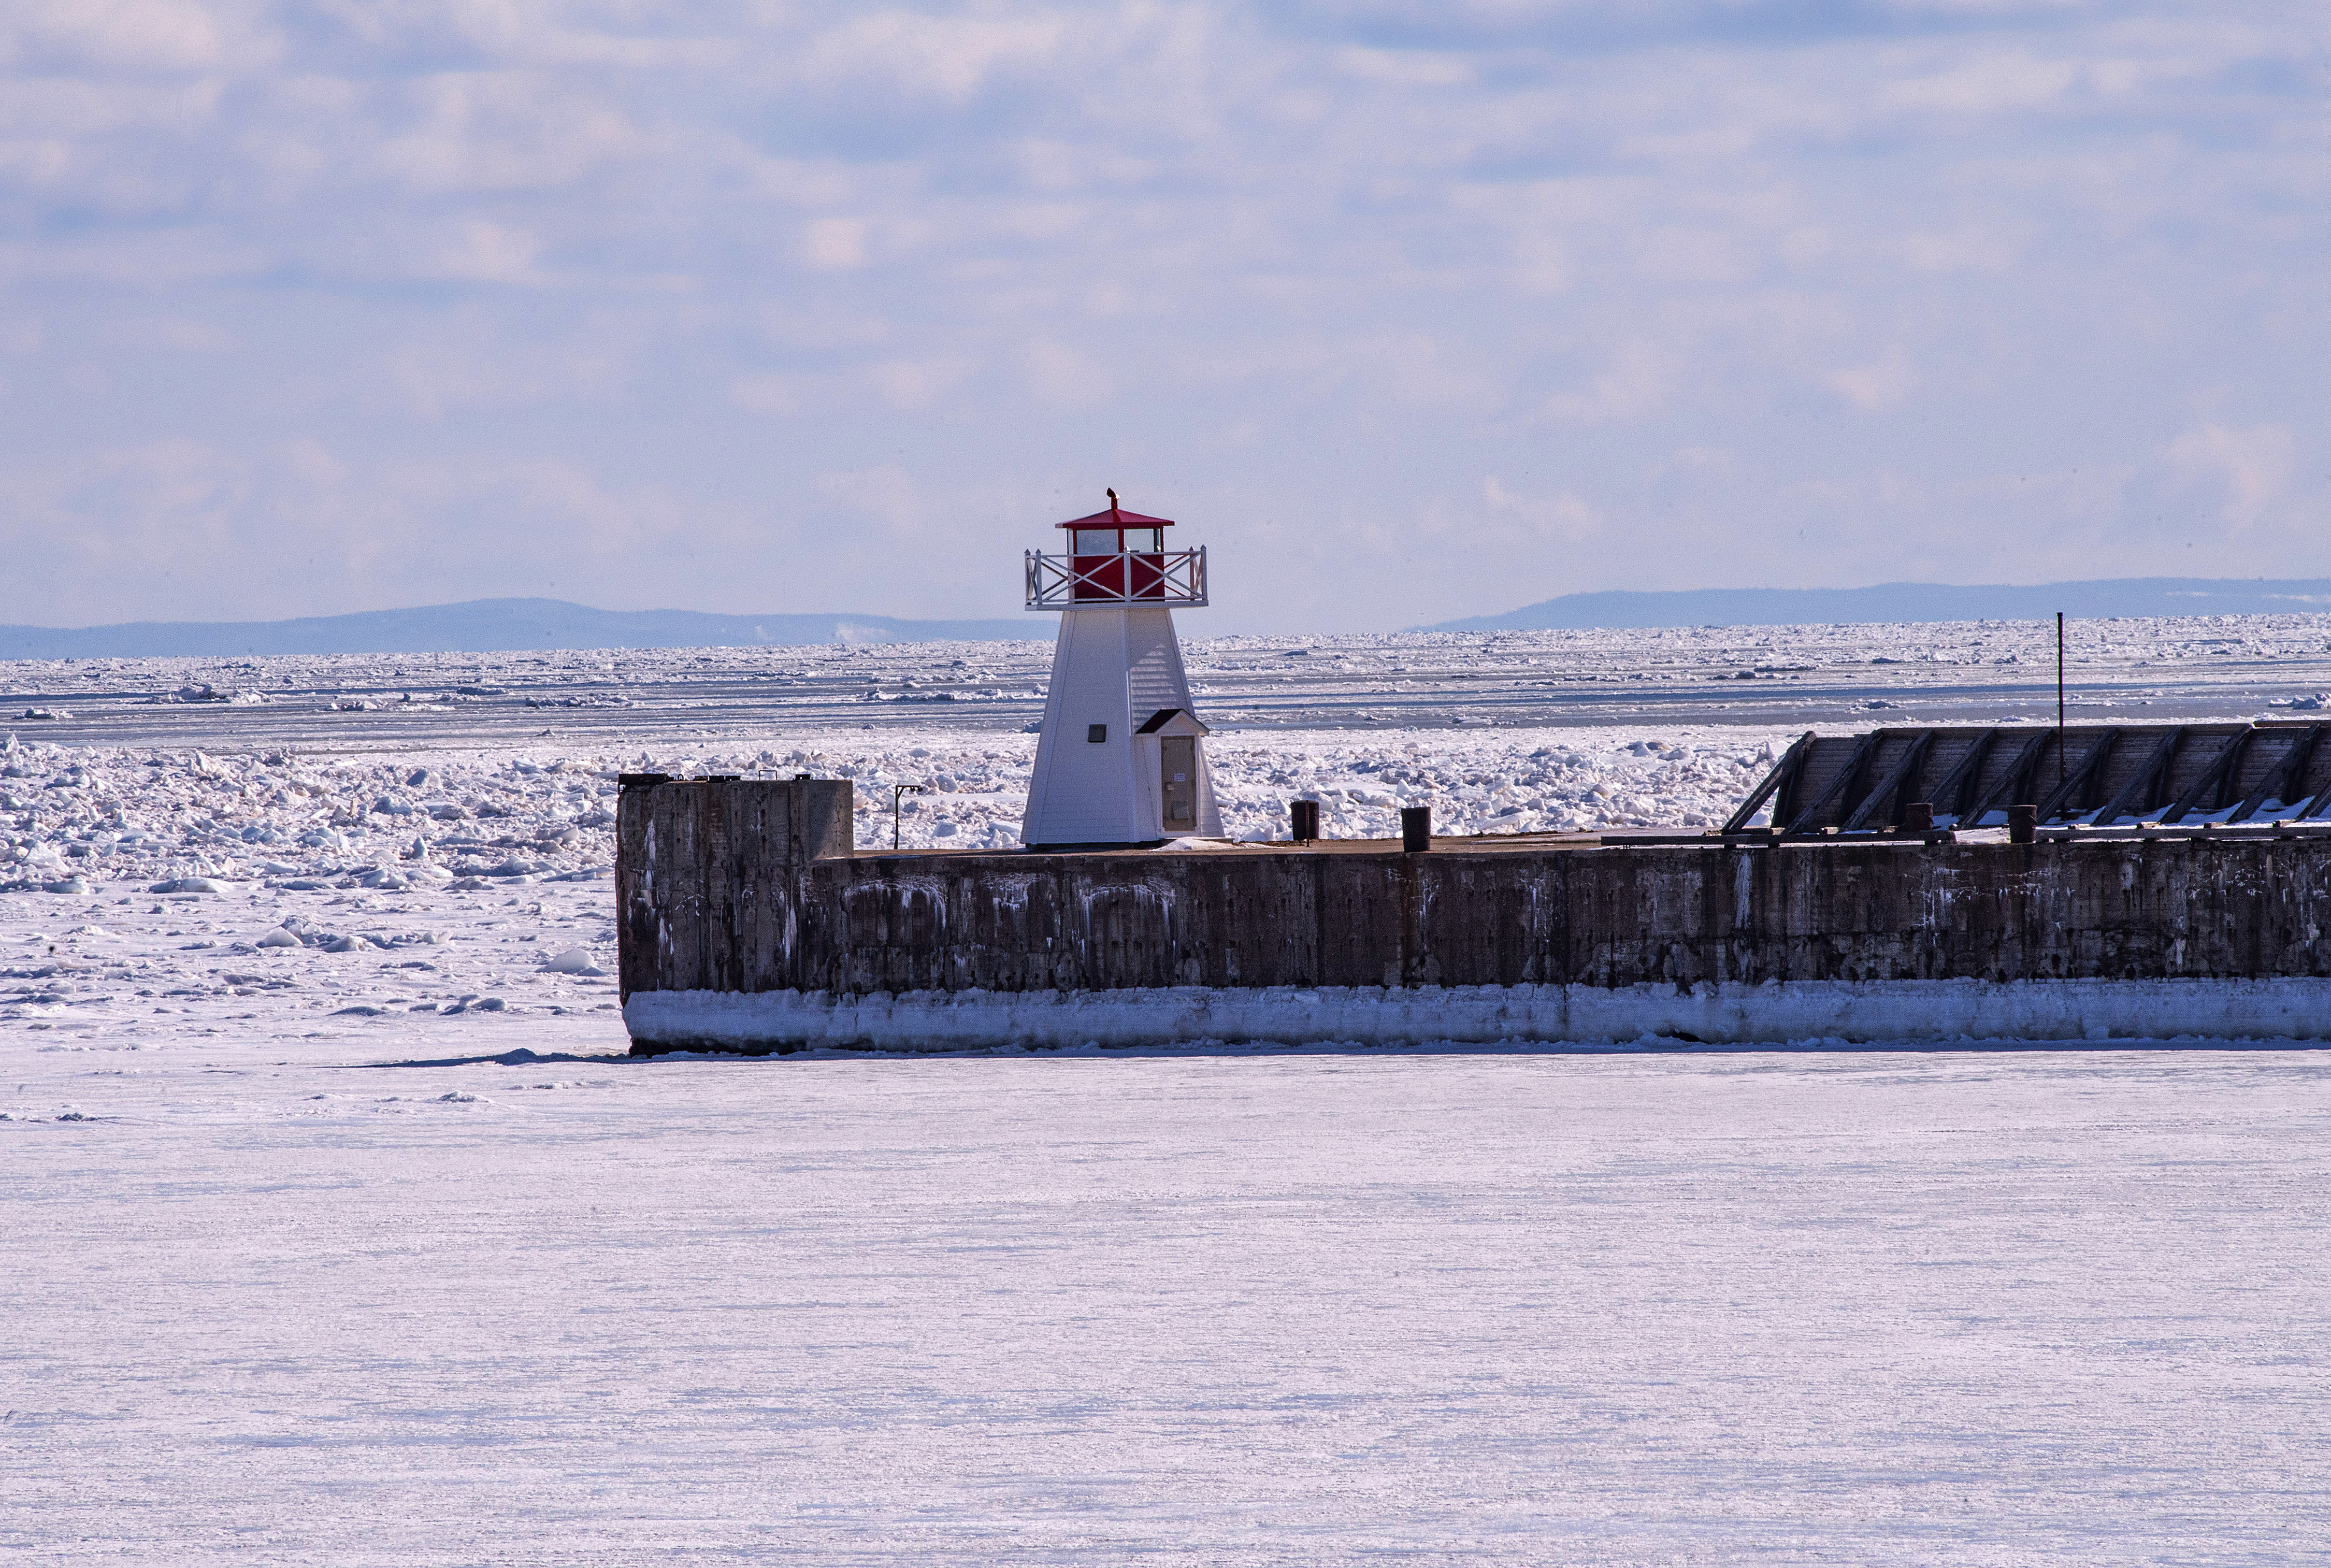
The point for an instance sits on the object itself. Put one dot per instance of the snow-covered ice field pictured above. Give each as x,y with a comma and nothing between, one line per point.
340,1230
134,815
1745,677
301,767
268,1304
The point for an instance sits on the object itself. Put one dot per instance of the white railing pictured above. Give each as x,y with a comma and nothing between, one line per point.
1163,577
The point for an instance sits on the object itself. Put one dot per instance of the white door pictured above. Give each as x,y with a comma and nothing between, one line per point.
1177,767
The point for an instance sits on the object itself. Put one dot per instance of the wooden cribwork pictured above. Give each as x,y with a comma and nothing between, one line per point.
2153,773
751,886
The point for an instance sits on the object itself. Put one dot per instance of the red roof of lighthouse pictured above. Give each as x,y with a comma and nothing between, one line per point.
1116,517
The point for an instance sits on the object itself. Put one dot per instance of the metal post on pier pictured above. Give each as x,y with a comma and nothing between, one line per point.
1415,829
896,791
2060,696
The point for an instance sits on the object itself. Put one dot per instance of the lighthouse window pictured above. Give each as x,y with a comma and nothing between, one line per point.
1096,542
1144,538
1096,733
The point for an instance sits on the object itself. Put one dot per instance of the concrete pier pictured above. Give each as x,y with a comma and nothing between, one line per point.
749,890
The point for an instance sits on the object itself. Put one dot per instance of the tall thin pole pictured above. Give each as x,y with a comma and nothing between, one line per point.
896,791
2060,696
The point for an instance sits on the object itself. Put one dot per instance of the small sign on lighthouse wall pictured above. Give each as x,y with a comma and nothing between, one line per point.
1121,759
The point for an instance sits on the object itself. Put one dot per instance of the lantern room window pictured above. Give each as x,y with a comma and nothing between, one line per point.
1117,541
1115,538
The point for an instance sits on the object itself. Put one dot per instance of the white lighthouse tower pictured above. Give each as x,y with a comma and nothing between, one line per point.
1122,759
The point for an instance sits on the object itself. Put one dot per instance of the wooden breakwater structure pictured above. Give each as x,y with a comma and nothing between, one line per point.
748,921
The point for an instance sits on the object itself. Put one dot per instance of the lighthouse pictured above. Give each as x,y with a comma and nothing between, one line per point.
1122,757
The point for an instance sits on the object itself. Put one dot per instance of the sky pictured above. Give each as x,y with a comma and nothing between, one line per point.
1407,309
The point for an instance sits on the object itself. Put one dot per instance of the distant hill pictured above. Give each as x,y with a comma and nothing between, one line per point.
491,626
1899,602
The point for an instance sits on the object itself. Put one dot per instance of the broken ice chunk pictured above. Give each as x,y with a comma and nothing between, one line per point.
573,961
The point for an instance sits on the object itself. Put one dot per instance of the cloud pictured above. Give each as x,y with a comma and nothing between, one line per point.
183,530
550,284
1963,252
134,35
1406,68
834,244
490,253
1989,85
1694,255
507,132
1880,384
1563,519
2255,465
886,496
906,384
949,58
1636,383
771,395
1066,377
174,332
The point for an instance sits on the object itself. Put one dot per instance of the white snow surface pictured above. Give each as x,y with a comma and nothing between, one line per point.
270,1303
340,1230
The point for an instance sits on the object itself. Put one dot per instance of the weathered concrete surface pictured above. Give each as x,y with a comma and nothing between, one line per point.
746,887
710,874
1592,1015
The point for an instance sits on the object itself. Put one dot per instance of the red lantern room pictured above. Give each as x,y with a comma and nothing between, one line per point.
1115,557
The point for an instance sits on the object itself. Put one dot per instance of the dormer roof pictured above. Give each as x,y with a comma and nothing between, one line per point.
1173,721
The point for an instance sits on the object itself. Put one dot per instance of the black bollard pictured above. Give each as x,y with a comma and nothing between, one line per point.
1919,817
1415,829
1305,817
2023,824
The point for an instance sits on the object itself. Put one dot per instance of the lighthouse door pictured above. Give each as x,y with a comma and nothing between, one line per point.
1177,758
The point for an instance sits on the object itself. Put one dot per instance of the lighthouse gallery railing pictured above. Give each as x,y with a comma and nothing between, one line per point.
1162,577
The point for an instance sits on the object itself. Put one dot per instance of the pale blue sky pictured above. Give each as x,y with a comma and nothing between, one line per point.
1408,310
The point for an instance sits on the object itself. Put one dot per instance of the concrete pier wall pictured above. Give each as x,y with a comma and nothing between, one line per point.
748,886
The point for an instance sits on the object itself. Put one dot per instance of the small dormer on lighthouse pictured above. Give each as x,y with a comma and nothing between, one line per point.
1122,757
